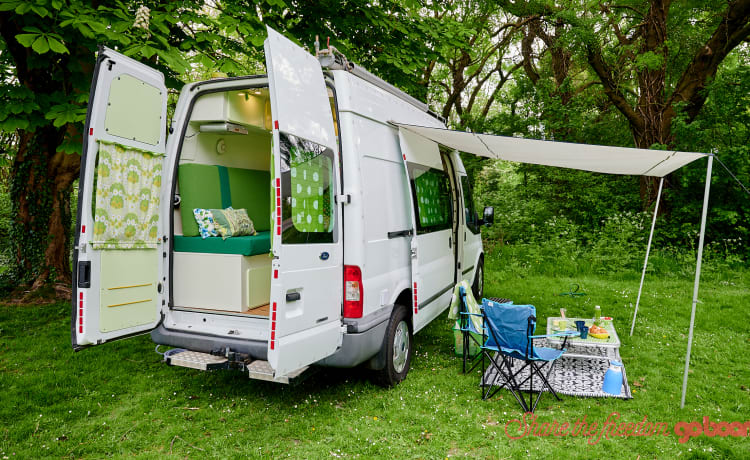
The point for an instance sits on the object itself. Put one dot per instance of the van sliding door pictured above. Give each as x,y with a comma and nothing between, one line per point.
306,286
432,245
119,255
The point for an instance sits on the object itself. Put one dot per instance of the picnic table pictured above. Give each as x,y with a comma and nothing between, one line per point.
590,347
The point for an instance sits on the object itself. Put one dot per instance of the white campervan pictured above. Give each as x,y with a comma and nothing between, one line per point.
285,222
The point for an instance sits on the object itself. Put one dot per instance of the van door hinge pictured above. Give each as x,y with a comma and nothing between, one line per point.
346,199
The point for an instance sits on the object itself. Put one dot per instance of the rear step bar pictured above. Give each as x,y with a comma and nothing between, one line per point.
258,369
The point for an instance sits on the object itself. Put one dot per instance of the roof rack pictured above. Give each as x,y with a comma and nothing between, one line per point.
332,59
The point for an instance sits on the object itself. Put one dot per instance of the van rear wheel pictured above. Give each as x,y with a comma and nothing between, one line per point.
397,348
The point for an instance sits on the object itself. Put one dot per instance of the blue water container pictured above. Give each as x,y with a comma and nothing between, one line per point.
613,379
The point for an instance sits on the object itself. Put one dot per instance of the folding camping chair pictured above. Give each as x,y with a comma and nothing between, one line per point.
470,325
510,337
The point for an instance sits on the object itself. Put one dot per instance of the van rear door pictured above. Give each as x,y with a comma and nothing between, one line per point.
117,290
306,285
432,246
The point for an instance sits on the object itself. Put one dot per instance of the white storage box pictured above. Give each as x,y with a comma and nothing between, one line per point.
221,281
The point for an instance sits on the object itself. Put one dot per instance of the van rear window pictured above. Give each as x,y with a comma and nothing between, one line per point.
308,190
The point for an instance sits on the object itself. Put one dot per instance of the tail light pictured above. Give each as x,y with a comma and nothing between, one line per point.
352,291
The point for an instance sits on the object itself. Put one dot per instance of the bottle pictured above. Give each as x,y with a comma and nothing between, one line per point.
613,379
597,315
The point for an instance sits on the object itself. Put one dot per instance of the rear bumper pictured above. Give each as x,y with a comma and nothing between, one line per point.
205,343
357,348
362,342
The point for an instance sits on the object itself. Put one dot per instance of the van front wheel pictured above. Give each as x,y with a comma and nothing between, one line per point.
397,348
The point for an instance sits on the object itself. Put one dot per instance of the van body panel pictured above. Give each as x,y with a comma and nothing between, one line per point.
118,293
305,323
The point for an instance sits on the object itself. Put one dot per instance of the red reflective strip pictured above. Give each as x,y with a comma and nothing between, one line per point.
278,201
80,304
273,317
278,182
272,343
80,295
83,229
91,131
404,157
80,329
276,124
273,335
275,273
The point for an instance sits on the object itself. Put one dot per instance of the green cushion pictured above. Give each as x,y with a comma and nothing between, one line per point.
242,245
249,190
201,186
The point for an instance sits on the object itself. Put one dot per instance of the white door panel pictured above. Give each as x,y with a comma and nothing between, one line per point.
117,292
432,248
306,288
471,239
301,100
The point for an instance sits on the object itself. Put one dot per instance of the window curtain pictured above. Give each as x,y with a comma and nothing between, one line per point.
126,209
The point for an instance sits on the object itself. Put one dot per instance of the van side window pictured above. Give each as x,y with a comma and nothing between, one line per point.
472,220
307,190
431,192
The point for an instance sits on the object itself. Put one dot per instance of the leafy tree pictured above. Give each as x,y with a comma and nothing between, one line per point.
47,55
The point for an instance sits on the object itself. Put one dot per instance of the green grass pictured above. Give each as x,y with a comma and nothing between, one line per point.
118,400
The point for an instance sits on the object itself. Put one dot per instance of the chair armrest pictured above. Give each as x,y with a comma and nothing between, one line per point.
470,314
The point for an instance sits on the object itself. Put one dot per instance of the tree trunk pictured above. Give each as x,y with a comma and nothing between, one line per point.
41,182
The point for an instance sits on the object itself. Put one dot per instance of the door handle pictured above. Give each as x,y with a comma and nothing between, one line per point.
449,242
293,296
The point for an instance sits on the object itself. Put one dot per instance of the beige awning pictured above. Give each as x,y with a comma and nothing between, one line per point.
596,158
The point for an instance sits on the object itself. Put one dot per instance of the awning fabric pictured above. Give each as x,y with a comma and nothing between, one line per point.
596,158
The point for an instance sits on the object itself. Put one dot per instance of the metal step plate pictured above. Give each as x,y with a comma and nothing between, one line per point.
197,360
261,370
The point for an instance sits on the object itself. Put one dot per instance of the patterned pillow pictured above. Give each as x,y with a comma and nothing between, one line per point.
205,222
233,222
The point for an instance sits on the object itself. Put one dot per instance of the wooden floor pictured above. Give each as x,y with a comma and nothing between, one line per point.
258,311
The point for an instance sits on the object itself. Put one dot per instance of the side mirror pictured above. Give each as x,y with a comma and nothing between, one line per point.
489,216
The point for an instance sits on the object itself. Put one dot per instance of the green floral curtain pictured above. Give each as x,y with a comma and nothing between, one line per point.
126,210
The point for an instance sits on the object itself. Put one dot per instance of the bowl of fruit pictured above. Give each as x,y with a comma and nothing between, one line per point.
598,332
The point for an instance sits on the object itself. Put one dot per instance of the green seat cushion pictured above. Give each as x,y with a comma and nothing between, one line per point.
249,190
199,188
241,245
206,186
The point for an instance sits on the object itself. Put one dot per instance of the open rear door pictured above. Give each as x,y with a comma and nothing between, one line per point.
432,248
118,250
306,288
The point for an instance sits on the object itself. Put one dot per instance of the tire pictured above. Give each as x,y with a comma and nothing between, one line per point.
478,287
397,349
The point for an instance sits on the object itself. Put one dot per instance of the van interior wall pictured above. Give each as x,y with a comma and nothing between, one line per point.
224,280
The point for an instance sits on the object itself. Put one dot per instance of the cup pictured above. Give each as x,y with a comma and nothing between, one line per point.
562,324
580,324
584,330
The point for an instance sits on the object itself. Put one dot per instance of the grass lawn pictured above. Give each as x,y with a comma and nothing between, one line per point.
119,400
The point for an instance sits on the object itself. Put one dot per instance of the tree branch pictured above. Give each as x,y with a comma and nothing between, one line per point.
733,30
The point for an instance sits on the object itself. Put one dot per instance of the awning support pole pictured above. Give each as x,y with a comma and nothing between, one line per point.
648,250
697,278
